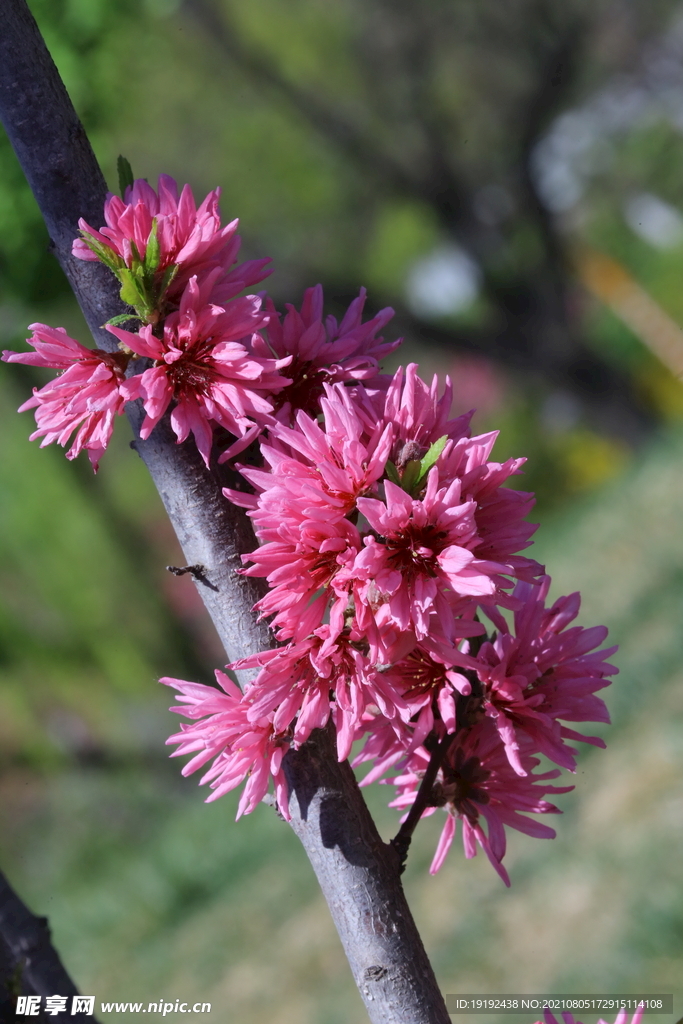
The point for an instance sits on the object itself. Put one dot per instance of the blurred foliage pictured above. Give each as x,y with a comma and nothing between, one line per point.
311,116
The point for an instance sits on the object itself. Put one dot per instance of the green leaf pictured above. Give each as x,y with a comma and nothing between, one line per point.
125,172
153,251
130,291
430,457
103,252
169,275
123,318
410,475
433,452
392,473
137,258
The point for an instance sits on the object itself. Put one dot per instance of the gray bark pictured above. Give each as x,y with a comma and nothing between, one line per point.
358,873
360,879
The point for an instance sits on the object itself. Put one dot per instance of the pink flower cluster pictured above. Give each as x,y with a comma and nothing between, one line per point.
387,533
242,747
323,351
213,357
157,241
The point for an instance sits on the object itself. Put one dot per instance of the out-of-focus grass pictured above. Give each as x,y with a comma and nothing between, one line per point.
153,895
73,623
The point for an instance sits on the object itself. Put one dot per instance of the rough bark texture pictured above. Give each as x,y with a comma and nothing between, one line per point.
360,879
358,873
212,533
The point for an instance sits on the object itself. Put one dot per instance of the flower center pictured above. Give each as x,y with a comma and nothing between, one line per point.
422,674
323,569
191,378
462,784
306,388
116,361
413,551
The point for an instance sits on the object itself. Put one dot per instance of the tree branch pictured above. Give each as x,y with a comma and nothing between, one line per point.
33,957
402,839
360,879
357,871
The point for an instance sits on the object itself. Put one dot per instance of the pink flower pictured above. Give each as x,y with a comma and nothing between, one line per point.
420,564
300,516
421,419
324,352
430,684
201,363
241,748
420,549
300,562
385,743
544,673
476,785
420,416
289,688
86,397
322,674
501,511
341,458
181,235
377,575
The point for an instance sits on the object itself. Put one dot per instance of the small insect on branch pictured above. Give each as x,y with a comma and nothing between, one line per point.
198,572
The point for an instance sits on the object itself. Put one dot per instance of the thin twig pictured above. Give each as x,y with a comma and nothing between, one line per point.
423,799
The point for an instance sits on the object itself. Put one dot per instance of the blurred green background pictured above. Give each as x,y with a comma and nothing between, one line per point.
510,178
